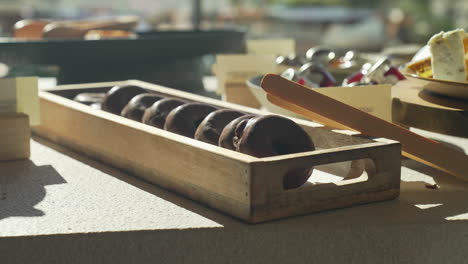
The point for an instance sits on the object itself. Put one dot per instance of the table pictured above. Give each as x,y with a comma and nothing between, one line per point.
62,207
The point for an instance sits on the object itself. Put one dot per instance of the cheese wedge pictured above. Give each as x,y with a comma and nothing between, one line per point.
448,56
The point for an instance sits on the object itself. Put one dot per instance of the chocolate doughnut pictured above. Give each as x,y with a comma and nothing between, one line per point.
229,132
137,106
156,114
118,97
89,98
211,127
271,135
184,119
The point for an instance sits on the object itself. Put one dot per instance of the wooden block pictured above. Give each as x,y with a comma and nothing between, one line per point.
240,94
20,95
15,134
238,69
7,95
28,98
372,99
271,46
240,64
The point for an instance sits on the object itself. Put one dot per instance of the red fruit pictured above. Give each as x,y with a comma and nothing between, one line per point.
353,78
394,71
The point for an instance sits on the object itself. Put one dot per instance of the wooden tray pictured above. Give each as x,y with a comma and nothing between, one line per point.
243,186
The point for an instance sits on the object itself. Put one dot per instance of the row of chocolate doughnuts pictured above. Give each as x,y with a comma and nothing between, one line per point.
259,136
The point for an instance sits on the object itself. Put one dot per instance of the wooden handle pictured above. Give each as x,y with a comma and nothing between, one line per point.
298,110
309,103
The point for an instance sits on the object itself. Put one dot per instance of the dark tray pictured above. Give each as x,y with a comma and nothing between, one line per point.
172,58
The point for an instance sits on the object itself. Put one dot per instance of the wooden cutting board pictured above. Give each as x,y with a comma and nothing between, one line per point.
415,107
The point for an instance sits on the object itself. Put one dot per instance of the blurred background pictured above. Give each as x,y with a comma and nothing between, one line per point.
362,25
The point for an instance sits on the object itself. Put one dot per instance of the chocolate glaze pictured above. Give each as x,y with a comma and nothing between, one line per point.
271,135
185,119
156,114
211,127
137,106
229,131
119,96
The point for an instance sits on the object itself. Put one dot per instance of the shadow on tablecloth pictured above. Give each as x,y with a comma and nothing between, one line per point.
416,204
22,186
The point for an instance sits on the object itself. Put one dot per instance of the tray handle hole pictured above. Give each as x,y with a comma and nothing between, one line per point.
339,172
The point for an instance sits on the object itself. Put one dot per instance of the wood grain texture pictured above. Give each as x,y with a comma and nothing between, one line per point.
415,107
20,95
15,135
310,103
381,181
240,94
243,186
